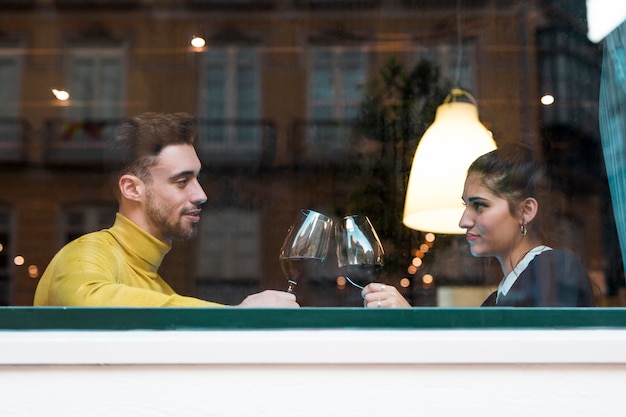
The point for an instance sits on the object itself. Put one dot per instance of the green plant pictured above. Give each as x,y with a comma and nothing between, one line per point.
398,108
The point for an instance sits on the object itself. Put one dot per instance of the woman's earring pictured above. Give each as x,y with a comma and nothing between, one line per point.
524,229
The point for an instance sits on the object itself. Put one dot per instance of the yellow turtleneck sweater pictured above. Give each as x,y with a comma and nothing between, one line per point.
114,267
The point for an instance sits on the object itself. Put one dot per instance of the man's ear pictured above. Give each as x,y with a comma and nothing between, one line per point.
131,187
528,209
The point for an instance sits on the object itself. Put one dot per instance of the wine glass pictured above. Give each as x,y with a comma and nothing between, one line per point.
305,246
359,251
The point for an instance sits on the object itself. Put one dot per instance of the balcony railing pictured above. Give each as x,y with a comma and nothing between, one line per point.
97,4
320,141
77,142
234,5
337,4
236,143
221,143
13,138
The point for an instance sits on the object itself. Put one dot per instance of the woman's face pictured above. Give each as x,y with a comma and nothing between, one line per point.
491,229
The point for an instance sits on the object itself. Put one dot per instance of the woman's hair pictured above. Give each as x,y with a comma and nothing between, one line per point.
138,142
513,173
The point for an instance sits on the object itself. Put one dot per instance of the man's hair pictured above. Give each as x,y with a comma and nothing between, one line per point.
137,143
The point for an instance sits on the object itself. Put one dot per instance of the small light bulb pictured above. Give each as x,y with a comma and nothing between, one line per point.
547,99
198,42
61,94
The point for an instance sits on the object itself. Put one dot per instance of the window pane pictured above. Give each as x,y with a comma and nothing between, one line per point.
322,83
9,84
229,245
81,219
311,104
96,79
6,253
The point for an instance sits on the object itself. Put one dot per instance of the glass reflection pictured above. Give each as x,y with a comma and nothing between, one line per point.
302,104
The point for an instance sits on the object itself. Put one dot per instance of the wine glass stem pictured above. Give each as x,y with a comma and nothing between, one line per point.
353,283
291,285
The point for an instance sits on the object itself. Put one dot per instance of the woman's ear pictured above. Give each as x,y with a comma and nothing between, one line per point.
528,209
131,187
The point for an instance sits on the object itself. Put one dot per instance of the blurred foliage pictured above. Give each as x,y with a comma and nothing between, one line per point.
398,108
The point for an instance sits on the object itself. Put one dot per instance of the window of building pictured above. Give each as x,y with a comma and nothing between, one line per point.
230,102
95,82
569,58
457,64
6,250
336,81
337,77
10,81
95,78
10,76
80,219
228,254
229,244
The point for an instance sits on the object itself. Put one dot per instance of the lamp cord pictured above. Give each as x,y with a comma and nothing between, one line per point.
459,40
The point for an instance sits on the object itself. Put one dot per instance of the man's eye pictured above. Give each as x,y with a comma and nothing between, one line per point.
182,183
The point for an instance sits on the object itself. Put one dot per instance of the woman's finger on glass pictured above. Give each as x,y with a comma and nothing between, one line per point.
378,295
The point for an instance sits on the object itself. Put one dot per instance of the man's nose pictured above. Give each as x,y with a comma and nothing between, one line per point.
199,195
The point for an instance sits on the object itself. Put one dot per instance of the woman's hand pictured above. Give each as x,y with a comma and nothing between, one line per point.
383,295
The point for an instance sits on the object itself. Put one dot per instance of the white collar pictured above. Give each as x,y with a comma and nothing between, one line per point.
507,283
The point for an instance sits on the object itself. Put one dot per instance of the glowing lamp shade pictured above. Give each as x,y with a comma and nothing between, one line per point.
445,152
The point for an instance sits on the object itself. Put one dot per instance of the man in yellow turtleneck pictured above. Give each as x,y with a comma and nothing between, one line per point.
155,169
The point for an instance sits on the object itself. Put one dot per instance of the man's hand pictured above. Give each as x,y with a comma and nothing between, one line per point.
270,298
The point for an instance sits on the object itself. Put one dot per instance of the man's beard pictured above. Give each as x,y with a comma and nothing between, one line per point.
158,217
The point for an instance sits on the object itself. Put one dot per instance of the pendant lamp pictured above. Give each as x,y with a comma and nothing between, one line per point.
454,140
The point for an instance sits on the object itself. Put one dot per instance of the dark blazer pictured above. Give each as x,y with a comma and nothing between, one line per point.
554,278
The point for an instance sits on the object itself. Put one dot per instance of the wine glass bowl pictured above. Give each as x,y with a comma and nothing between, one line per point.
305,247
359,251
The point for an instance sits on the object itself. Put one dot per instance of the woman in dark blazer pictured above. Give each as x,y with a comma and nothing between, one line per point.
504,192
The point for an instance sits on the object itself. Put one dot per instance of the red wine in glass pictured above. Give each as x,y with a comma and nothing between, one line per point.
359,251
305,246
298,268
